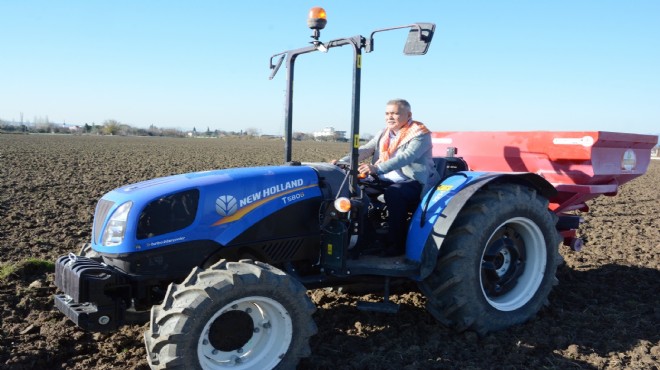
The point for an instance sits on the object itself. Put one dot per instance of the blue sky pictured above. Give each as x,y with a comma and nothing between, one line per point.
493,65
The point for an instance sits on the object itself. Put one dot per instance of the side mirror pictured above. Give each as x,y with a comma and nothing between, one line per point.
419,39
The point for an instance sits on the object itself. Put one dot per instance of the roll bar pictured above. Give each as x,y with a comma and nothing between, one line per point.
418,42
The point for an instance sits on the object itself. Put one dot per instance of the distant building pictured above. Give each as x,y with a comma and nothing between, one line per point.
329,133
71,128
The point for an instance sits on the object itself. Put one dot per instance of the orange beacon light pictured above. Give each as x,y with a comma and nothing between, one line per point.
317,18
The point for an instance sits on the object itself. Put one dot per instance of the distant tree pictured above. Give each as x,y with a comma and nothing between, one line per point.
87,128
339,136
153,130
96,130
111,127
170,132
41,124
6,126
300,136
126,130
252,131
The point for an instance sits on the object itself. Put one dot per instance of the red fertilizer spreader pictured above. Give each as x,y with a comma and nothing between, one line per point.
580,164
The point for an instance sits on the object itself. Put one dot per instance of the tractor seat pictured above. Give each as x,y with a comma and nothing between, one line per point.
445,166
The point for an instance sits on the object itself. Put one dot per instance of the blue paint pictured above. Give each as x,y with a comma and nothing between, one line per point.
257,192
418,232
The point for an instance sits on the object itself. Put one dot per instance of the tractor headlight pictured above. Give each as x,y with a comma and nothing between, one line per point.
116,227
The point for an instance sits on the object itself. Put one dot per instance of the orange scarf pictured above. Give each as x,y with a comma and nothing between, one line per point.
405,134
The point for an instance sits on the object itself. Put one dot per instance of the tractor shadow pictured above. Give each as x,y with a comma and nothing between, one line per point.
596,318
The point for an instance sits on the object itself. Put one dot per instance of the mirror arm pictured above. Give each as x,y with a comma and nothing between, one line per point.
369,46
275,68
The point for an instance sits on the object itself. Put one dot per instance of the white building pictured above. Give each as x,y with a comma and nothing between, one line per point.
329,133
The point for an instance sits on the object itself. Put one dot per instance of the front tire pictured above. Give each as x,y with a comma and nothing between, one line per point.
498,262
238,315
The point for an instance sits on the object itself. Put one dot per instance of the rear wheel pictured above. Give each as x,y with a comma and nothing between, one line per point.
239,315
498,262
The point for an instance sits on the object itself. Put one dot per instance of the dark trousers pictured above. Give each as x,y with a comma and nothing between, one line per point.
401,198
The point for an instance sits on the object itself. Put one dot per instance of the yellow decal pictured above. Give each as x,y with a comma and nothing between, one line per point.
330,249
445,187
359,61
356,141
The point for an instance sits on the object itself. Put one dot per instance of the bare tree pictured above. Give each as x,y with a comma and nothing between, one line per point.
251,131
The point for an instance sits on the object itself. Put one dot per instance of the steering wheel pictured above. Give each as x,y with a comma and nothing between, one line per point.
343,165
372,180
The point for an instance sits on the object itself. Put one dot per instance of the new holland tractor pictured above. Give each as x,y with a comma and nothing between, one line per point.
219,262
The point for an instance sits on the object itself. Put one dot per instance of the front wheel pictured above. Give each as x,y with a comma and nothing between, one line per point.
497,264
239,315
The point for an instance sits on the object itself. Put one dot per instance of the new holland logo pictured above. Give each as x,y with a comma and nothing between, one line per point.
226,205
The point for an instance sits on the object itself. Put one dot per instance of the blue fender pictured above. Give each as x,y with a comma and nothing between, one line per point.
440,206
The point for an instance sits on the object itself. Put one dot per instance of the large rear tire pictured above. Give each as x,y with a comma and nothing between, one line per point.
238,315
498,262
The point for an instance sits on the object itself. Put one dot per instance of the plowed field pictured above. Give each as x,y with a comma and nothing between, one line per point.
604,314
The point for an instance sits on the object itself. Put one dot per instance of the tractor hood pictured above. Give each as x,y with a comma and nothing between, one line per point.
213,205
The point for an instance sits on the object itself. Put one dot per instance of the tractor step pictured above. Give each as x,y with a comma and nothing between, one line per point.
386,306
383,307
398,266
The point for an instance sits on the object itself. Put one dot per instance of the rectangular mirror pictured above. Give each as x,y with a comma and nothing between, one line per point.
416,45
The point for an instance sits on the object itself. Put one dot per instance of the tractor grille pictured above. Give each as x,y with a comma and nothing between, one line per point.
102,209
282,250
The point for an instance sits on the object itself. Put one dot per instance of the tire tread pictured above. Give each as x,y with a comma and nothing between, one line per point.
450,288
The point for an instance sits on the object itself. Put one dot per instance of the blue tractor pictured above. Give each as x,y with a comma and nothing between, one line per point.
219,262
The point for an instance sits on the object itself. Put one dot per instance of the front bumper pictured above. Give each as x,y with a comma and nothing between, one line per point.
95,294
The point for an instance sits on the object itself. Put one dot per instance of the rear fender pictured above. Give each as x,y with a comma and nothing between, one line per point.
440,206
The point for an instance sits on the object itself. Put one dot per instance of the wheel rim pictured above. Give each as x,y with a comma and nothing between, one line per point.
513,264
252,332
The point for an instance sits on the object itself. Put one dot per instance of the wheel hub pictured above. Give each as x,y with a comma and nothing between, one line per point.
512,264
237,323
245,333
503,262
